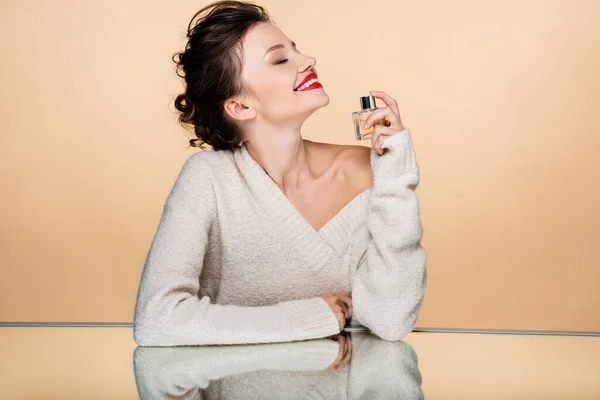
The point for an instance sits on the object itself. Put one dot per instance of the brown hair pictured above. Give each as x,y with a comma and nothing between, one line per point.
211,66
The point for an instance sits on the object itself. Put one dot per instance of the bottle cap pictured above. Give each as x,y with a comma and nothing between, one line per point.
367,102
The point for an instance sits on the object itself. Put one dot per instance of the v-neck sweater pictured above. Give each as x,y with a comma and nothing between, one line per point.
233,261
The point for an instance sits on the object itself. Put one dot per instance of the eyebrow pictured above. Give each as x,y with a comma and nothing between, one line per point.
277,46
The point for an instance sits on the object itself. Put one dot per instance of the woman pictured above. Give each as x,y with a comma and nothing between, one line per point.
271,237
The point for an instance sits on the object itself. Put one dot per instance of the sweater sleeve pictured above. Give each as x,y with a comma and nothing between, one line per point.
170,310
389,284
381,369
169,372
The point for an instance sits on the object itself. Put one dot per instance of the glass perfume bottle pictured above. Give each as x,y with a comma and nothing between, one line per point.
367,106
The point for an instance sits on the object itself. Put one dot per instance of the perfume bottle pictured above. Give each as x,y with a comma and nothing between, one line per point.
367,106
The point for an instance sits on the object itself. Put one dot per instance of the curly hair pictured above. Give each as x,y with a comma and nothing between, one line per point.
211,66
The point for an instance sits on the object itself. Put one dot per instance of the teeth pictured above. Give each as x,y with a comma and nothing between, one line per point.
307,84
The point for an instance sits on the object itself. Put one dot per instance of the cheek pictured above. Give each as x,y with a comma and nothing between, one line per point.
276,95
277,85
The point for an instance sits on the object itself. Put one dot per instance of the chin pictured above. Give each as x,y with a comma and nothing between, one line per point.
319,98
327,97
314,106
311,102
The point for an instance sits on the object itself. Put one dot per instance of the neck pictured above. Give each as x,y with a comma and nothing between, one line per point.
284,157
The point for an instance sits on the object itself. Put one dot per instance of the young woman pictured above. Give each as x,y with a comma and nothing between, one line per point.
271,237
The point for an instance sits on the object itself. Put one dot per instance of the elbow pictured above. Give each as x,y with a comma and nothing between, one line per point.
391,323
160,326
149,338
395,332
140,335
154,331
149,325
147,334
140,328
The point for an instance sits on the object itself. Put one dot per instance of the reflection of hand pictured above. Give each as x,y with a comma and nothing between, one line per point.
379,370
345,351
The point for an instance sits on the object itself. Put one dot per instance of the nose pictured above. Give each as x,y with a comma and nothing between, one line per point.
308,63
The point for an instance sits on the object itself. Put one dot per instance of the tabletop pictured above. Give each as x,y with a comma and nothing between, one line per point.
105,363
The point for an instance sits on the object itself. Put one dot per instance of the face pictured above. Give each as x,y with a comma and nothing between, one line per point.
273,68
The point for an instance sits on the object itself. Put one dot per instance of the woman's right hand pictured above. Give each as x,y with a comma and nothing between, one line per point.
341,305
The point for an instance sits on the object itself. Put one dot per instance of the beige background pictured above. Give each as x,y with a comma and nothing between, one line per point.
502,99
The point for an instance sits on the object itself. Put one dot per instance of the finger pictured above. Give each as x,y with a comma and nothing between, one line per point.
380,134
341,348
341,320
348,354
379,114
387,99
346,345
385,130
346,299
379,142
344,350
341,314
339,356
344,308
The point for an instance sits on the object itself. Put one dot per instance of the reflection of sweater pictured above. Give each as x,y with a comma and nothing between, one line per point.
234,262
378,369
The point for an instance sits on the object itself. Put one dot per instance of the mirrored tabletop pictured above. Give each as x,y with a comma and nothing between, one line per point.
105,363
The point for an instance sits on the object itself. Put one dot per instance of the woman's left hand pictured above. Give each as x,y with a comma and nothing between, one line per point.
393,124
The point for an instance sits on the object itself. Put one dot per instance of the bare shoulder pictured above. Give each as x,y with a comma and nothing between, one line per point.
357,162
358,156
353,160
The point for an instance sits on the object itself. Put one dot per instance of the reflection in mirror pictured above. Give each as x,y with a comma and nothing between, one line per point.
372,369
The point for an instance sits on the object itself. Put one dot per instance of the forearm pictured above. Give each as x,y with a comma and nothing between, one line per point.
390,282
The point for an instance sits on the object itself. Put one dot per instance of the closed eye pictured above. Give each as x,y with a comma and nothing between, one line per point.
282,61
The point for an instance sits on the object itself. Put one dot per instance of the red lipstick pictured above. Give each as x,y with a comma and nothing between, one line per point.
307,78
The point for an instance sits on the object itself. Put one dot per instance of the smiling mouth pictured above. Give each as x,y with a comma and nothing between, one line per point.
310,81
311,84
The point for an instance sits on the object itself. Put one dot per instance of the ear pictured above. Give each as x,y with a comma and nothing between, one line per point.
239,109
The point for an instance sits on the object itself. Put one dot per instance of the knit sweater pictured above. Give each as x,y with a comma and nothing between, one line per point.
378,369
234,262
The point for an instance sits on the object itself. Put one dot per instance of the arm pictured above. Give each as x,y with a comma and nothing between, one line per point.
390,282
169,372
381,369
170,311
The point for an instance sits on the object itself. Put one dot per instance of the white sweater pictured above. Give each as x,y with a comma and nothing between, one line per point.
234,262
378,370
